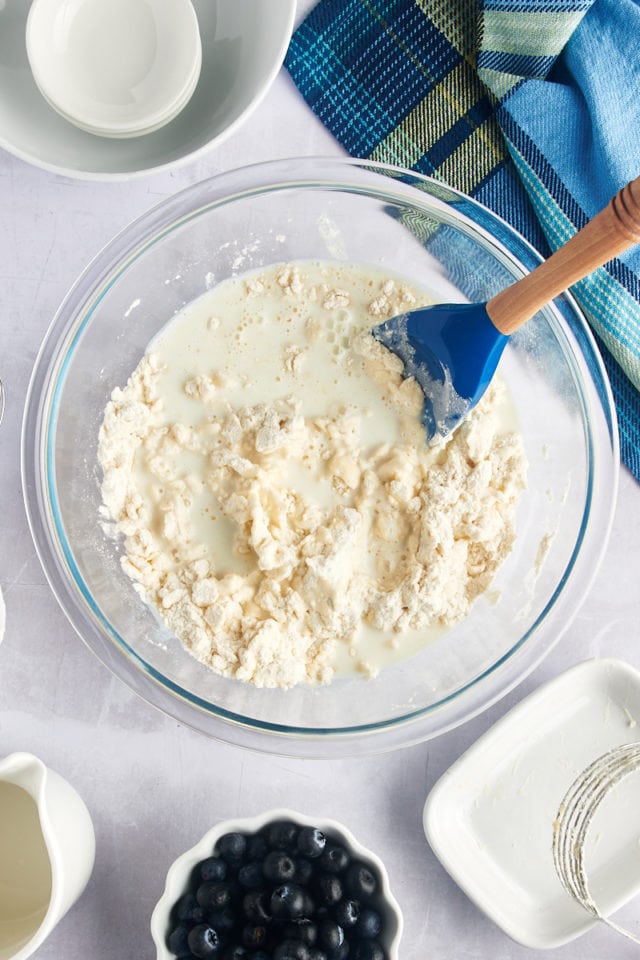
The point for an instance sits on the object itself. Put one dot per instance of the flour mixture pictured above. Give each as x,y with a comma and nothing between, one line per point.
268,471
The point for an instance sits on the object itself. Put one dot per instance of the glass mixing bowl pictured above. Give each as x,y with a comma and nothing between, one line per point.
307,209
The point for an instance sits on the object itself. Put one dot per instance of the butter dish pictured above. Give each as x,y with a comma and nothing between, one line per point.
491,817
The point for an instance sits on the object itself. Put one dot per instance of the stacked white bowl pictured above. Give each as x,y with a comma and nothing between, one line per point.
115,68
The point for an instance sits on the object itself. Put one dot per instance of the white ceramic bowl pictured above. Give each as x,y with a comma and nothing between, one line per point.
243,47
180,871
115,68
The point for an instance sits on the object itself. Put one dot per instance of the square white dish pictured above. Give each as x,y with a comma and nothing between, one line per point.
490,818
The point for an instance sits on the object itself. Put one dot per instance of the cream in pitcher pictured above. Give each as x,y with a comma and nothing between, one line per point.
47,850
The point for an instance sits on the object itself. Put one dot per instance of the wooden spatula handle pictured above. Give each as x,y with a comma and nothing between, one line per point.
611,231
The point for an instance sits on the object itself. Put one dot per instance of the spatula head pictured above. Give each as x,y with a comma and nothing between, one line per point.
452,351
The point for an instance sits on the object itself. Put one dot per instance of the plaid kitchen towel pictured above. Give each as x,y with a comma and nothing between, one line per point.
530,106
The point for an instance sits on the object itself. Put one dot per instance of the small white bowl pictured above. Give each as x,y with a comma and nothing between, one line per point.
181,869
115,68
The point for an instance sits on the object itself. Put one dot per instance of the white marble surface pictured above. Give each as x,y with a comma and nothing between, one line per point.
153,786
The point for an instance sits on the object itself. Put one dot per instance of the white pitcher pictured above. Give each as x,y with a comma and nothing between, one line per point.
47,851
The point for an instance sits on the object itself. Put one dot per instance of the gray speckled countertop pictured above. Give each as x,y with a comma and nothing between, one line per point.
153,786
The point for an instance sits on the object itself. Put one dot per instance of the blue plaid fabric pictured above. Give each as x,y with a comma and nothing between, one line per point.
530,106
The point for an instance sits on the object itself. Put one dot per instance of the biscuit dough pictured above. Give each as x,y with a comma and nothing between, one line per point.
282,527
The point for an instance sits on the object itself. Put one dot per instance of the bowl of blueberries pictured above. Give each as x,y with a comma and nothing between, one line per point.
279,886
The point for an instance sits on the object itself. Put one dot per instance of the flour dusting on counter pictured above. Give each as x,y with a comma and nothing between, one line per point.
268,471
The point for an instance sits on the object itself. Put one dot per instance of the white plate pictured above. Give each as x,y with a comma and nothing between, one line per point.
490,817
244,43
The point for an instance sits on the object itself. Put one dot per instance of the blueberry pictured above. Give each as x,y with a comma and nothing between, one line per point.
311,842
368,950
255,905
254,935
187,908
258,846
303,872
223,919
317,954
213,893
177,941
203,940
330,936
236,952
369,924
291,950
341,953
213,868
231,847
335,858
287,901
283,835
305,930
360,881
310,908
261,955
250,875
347,912
278,866
328,889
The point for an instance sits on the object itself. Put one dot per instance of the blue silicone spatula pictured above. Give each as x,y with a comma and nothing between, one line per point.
453,350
